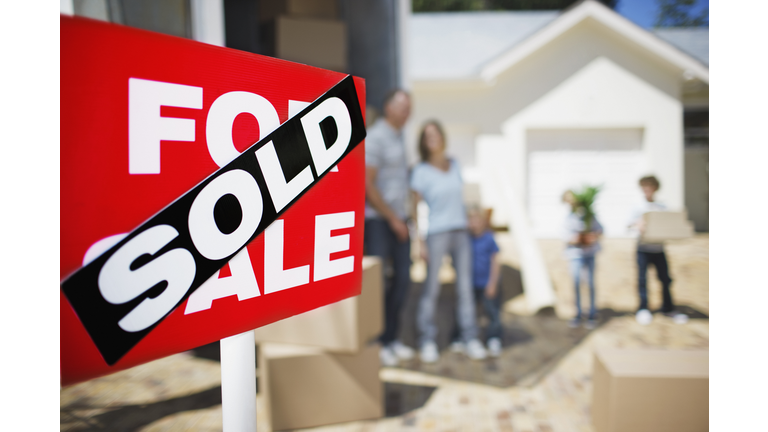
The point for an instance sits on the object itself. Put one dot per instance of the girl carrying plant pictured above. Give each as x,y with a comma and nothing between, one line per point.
582,234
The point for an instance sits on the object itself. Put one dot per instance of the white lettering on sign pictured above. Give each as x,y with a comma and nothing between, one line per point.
324,157
221,117
136,268
146,128
282,191
121,294
242,283
295,107
325,245
102,246
205,233
277,278
120,284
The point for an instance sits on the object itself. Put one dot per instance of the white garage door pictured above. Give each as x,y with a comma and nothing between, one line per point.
559,160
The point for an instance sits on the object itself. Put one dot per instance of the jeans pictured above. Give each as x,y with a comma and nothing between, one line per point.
492,308
577,266
380,241
659,260
457,244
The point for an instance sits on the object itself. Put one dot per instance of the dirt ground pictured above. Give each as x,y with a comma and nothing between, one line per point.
542,382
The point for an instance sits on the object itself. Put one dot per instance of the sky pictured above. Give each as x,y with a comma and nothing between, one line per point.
643,12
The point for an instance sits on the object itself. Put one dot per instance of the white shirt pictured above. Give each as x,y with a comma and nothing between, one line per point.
639,210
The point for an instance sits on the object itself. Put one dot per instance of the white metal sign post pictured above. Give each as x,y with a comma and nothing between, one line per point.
238,382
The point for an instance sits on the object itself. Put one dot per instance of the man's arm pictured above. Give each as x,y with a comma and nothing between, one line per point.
373,195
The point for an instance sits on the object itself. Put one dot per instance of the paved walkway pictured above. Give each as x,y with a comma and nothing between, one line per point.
182,392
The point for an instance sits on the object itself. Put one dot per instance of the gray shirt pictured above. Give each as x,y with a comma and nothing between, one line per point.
385,150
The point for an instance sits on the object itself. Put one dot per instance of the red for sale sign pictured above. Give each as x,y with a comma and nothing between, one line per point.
204,192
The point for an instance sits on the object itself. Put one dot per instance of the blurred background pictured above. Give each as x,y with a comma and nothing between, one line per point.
537,97
593,103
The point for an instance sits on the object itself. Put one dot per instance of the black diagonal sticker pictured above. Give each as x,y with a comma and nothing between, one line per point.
124,293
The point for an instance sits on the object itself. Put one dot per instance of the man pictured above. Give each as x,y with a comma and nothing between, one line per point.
386,212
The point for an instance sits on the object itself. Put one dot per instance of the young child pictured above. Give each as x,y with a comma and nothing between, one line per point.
652,253
581,247
485,279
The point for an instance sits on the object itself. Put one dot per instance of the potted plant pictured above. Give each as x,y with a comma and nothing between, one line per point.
583,205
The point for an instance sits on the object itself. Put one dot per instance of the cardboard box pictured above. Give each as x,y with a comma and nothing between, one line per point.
316,42
306,387
650,390
324,9
660,226
344,326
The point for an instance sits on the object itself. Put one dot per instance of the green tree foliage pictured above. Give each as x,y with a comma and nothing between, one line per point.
679,13
478,5
584,201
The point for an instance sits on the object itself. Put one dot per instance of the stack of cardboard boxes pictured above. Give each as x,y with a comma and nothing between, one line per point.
305,31
319,368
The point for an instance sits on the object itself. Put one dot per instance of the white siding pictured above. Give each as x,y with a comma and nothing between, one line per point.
586,79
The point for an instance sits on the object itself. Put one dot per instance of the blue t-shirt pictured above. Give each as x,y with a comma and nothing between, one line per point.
443,192
483,248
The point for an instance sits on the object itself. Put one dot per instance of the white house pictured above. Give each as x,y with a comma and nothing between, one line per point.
535,103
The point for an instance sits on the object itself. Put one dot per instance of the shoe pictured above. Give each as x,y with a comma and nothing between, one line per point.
476,350
591,324
387,357
677,317
494,347
643,317
402,351
428,352
574,323
457,347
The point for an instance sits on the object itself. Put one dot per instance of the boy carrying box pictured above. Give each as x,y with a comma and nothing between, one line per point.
652,253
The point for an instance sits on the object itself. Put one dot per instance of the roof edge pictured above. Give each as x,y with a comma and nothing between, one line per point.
607,17
452,83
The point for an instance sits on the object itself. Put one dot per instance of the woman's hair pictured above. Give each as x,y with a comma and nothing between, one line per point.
423,149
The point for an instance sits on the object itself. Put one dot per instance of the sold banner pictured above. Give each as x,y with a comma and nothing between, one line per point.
204,192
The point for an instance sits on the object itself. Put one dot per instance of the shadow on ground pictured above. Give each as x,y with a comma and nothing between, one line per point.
133,417
532,345
399,399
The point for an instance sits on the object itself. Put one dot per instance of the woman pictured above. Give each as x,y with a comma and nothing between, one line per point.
437,180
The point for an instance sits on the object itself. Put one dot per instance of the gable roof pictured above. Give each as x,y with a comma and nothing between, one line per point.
478,46
691,40
454,45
